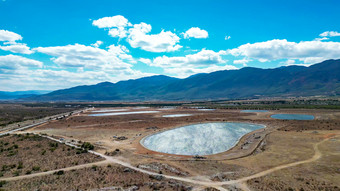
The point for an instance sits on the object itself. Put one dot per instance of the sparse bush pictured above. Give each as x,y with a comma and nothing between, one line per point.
16,173
2,183
60,172
94,167
28,172
36,168
87,145
54,145
20,165
43,152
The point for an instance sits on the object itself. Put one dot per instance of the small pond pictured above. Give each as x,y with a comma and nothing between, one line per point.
293,116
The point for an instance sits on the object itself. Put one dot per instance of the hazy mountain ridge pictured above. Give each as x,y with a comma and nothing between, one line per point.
318,79
4,95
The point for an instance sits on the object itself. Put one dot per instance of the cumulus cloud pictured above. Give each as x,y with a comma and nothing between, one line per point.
183,66
329,34
57,79
138,36
8,63
227,37
306,51
111,22
92,65
17,48
116,25
145,60
9,43
9,36
165,41
97,43
88,57
195,32
243,61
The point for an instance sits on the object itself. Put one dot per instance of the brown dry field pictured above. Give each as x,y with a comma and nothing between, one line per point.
282,142
23,154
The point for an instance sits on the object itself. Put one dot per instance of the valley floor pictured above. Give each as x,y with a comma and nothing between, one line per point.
287,155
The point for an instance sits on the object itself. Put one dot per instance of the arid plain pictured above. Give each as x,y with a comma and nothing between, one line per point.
285,155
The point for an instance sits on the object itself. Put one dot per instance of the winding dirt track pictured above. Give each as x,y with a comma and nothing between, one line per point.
241,182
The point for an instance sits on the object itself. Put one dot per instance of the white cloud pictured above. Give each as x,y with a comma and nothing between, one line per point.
195,32
137,35
329,34
9,36
162,42
321,39
183,66
17,48
243,61
111,22
9,39
57,79
306,51
227,37
8,63
120,32
116,25
88,57
165,41
97,43
145,60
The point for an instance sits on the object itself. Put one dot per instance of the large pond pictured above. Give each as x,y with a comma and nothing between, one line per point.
199,139
122,113
293,116
254,111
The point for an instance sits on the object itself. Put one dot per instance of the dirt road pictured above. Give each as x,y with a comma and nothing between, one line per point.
240,183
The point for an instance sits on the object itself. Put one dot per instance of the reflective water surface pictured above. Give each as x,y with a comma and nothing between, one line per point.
177,115
293,116
254,111
199,139
122,113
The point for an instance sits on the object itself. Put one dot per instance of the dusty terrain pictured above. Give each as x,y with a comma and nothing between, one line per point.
24,154
283,143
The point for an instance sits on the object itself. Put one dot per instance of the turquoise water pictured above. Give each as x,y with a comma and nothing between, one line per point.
199,139
293,116
253,111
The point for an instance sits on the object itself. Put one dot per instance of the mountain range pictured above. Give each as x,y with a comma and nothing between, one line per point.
248,82
20,94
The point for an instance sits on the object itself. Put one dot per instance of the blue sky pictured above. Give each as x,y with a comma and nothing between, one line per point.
48,45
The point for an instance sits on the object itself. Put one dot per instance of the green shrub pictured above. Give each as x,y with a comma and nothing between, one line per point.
20,165
36,168
87,145
60,172
16,173
2,183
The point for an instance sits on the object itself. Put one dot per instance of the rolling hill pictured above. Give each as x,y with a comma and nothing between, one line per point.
248,82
